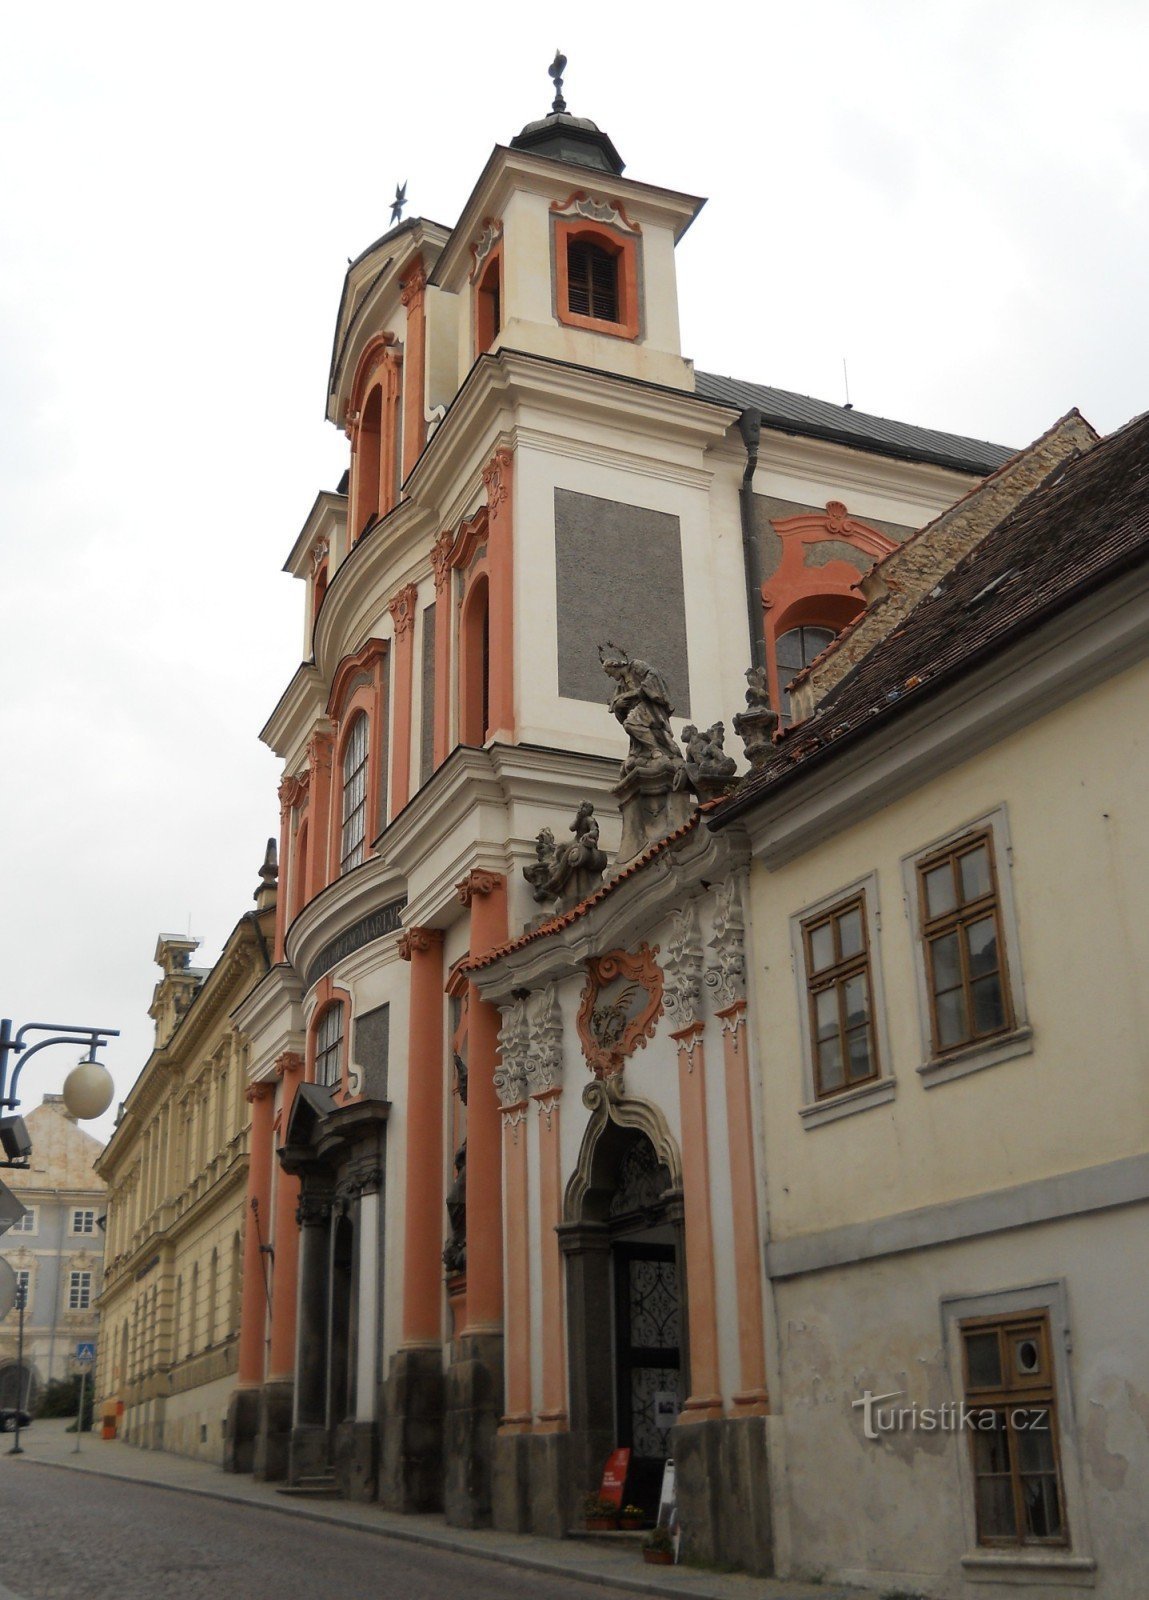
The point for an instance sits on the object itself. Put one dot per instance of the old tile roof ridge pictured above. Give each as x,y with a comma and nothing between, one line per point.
891,557
564,918
1077,529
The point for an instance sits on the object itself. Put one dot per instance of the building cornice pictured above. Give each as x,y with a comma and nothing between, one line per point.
290,725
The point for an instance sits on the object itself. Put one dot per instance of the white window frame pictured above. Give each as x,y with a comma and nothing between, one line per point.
876,1091
87,1225
338,1046
1027,1564
28,1223
935,1069
79,1290
356,770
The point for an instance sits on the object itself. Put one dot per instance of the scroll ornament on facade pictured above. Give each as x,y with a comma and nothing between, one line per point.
682,966
512,1073
726,977
546,1041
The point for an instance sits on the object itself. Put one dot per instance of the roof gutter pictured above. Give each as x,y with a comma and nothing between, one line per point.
750,427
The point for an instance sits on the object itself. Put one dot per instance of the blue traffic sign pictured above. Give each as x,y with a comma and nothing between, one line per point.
85,1352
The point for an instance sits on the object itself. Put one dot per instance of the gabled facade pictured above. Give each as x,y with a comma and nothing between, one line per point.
536,474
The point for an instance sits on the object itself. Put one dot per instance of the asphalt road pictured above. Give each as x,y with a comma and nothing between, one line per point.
69,1537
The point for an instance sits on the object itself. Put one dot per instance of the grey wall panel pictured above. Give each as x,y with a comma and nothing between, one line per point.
619,579
372,1047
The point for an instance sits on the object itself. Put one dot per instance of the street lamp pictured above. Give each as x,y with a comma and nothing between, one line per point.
88,1088
21,1298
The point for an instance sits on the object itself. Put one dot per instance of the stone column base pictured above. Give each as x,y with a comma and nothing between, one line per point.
240,1431
411,1464
722,1479
473,1404
532,1486
273,1431
308,1453
356,1460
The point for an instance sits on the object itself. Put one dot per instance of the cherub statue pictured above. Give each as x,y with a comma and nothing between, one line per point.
708,767
573,871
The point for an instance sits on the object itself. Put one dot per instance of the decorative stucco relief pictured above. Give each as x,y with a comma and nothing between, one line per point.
621,1002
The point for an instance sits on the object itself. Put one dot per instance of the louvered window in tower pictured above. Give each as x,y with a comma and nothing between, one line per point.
592,281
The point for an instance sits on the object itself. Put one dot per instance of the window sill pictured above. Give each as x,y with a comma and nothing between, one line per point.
975,1057
1027,1567
877,1093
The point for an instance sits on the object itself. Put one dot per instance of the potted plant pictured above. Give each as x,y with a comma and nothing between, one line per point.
658,1547
600,1516
631,1518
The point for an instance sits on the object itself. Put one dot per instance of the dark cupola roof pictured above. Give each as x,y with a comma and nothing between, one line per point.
565,138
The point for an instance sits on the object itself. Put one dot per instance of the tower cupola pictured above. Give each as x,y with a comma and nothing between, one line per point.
562,137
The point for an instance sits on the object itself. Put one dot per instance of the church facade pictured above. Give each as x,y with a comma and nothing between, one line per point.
505,1074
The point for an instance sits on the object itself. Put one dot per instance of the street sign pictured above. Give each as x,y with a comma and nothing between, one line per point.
85,1354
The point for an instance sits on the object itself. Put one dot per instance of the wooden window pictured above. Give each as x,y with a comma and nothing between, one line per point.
353,839
843,1045
1009,1385
966,977
79,1291
329,1047
592,281
794,651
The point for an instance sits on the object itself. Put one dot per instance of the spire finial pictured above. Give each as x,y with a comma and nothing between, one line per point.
399,202
556,69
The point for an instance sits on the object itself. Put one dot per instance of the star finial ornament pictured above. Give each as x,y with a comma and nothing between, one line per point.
556,69
399,202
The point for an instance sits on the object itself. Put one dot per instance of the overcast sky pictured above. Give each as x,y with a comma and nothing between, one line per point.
953,197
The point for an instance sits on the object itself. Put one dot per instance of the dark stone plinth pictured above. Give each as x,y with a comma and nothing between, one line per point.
555,1499
240,1431
411,1465
651,807
273,1431
473,1404
510,1485
310,1453
356,1460
723,1488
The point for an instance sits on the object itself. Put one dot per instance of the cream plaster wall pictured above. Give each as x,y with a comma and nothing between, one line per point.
1074,798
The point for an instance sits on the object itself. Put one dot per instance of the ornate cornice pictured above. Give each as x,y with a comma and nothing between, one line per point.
363,662
478,882
612,213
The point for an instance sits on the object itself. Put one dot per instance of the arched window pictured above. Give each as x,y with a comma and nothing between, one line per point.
369,461
489,304
795,650
299,872
329,1047
475,688
354,835
592,281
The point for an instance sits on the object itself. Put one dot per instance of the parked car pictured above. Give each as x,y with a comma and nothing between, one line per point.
8,1419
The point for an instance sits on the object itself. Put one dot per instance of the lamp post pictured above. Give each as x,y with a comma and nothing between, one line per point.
21,1298
88,1088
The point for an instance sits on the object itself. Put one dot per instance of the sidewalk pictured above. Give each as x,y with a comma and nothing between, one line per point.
594,1561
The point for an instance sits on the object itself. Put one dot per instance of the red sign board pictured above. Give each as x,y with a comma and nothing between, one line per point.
614,1477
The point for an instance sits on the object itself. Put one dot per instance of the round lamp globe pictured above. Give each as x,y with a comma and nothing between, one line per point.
88,1090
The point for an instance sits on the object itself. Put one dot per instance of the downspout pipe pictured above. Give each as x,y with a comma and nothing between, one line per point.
750,427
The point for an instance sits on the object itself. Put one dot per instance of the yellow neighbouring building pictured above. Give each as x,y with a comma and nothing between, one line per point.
176,1171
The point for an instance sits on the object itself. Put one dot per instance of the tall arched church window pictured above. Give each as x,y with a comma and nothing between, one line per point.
329,1047
369,459
475,634
794,651
354,835
592,281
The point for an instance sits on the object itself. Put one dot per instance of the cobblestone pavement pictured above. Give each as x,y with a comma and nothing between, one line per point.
110,1527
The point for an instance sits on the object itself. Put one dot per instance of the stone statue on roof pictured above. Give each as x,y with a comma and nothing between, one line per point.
653,788
569,872
757,724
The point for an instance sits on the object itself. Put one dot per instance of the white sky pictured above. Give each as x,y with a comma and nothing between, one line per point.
954,197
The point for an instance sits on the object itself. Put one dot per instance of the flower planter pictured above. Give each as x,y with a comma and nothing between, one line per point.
659,1558
601,1524
632,1524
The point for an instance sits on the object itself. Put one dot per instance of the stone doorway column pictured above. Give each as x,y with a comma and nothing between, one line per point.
309,1452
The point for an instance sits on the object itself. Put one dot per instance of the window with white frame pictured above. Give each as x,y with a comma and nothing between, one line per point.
959,900
845,1050
83,1220
27,1223
79,1291
329,1047
353,838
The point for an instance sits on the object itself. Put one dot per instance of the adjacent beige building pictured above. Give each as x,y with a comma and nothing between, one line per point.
176,1170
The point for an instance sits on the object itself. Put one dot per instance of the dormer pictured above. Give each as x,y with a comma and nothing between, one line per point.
384,348
557,254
